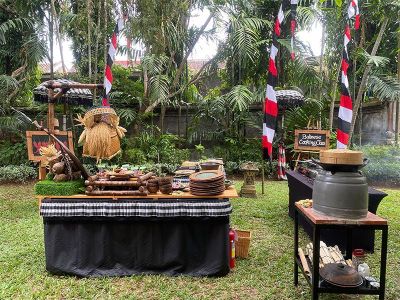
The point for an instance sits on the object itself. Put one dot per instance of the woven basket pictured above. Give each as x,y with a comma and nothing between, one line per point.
242,245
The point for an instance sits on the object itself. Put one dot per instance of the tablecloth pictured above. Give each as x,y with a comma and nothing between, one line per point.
105,237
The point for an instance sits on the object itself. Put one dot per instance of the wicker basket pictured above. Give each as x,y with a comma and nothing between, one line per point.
242,245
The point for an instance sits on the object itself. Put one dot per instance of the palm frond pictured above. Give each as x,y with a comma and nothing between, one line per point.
8,82
245,36
384,87
377,61
239,98
154,64
127,115
14,24
159,88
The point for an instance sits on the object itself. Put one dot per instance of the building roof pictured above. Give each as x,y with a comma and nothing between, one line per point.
194,64
45,67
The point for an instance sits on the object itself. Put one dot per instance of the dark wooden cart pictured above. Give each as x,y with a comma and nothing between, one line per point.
321,222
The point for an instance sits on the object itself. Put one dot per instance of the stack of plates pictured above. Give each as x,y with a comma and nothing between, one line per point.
207,183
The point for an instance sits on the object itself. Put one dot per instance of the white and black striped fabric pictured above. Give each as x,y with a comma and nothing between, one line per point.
50,208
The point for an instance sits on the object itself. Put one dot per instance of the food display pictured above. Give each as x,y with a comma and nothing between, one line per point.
118,182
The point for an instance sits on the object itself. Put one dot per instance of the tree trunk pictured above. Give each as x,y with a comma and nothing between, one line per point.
321,62
363,83
51,39
398,100
96,49
57,28
334,92
89,37
105,5
162,116
390,117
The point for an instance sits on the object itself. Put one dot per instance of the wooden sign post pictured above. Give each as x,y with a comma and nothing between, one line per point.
37,139
310,141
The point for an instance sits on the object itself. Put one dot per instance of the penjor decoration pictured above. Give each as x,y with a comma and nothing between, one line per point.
270,103
108,77
346,103
102,134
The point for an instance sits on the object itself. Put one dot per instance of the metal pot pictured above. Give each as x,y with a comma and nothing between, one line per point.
341,194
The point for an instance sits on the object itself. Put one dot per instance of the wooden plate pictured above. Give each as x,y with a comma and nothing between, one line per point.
206,193
207,184
206,176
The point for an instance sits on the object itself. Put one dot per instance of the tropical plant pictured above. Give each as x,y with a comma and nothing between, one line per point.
227,115
22,48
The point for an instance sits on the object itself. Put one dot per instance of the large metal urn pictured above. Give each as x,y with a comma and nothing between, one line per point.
340,189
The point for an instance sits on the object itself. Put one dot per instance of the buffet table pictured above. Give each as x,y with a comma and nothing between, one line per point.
119,236
300,187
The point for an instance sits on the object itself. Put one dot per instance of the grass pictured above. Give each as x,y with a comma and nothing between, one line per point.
50,187
267,274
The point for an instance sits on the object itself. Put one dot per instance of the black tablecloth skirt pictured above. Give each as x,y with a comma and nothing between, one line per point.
92,245
301,187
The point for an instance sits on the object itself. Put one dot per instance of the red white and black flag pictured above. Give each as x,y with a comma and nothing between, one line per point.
346,103
112,50
270,103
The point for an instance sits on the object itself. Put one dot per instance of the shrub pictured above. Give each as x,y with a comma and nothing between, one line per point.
13,153
152,148
384,164
17,174
232,150
134,155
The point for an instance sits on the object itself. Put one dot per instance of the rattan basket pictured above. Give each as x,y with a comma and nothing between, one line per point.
243,243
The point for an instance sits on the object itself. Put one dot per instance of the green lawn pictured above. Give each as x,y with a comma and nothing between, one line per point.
267,274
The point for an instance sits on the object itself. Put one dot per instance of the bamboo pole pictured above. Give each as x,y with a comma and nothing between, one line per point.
262,177
145,177
116,193
398,78
57,85
304,261
96,49
89,36
58,36
363,83
114,183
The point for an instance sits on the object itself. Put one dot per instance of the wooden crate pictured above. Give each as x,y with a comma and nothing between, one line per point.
242,245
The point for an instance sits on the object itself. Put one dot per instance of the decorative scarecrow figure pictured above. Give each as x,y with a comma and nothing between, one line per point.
102,134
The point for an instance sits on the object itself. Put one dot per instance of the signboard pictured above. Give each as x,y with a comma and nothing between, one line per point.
38,139
311,140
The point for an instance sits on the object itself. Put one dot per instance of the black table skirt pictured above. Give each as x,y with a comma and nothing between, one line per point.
301,187
91,245
191,246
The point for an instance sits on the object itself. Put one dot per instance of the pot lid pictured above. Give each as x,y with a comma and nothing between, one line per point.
341,275
341,157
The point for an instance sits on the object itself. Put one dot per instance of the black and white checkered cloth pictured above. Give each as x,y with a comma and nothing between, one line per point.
135,208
